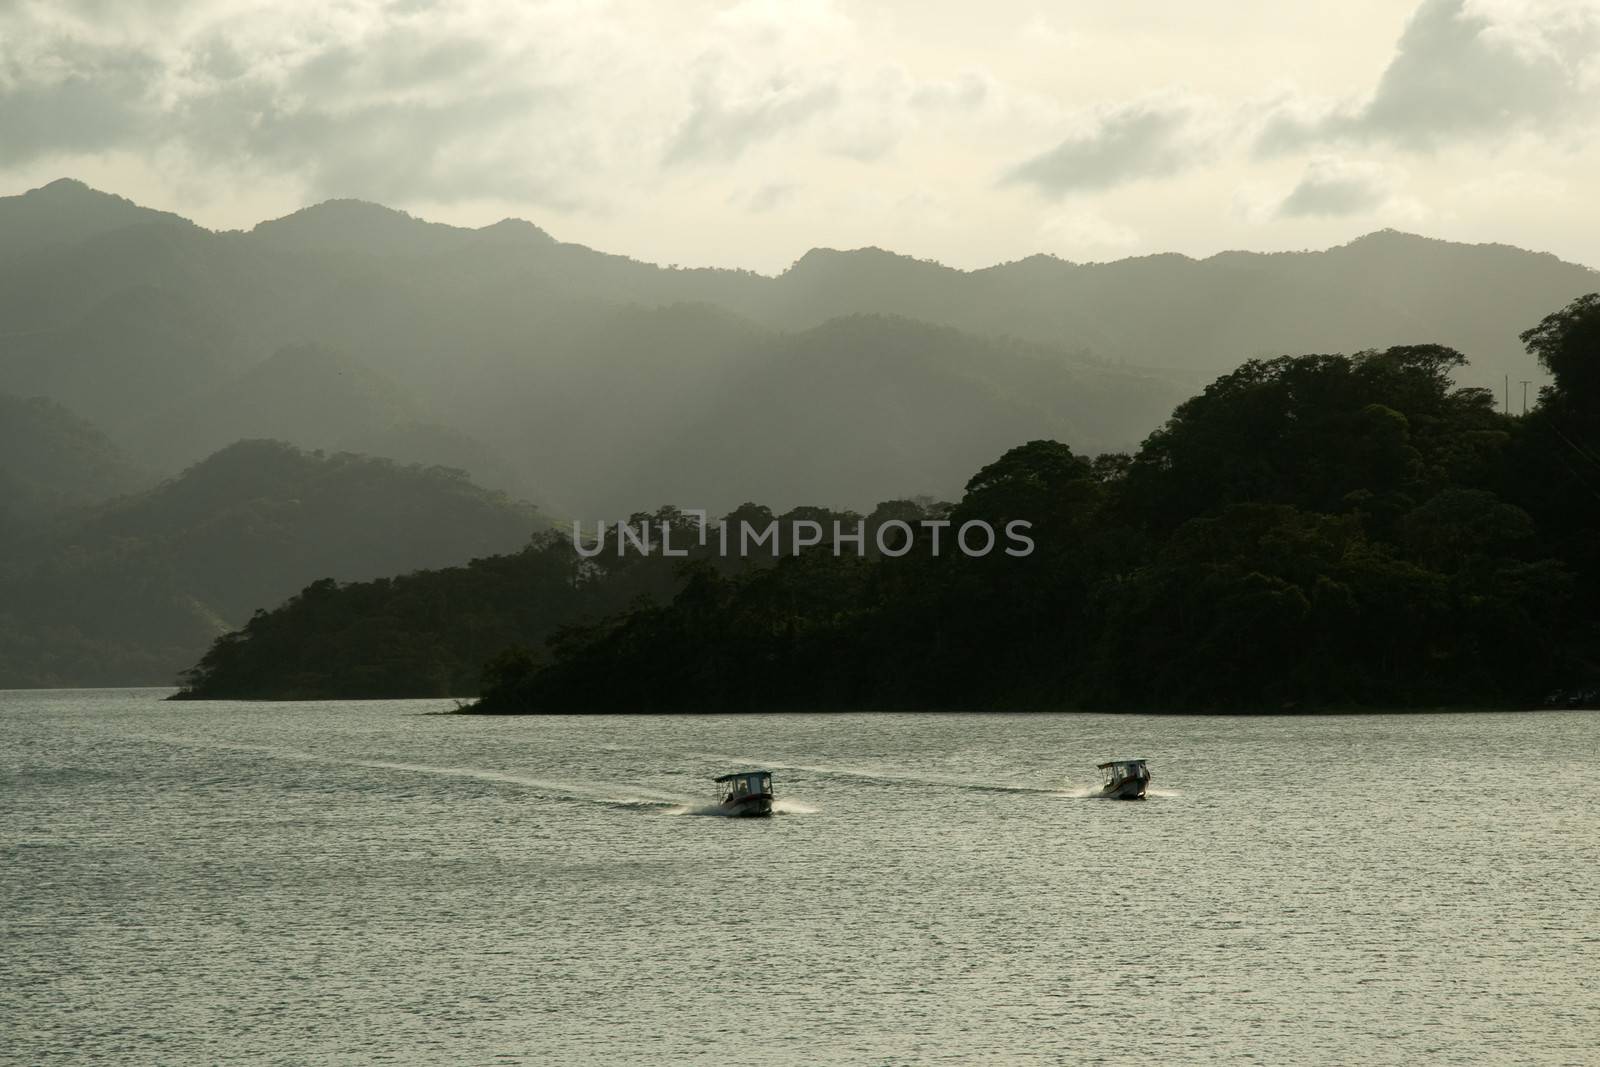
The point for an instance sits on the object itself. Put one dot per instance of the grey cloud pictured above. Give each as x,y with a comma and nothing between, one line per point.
215,59
1456,74
403,59
389,149
771,195
1335,190
1137,141
399,114
91,100
716,129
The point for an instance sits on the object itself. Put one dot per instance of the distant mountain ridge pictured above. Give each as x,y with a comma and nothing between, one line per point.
130,592
53,461
574,373
373,228
65,211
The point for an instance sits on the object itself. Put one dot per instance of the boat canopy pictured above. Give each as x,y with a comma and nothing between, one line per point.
735,787
1118,771
738,774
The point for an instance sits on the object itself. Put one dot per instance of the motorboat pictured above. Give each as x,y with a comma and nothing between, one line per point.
1124,779
746,793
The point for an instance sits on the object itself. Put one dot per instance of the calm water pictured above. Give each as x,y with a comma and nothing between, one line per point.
363,883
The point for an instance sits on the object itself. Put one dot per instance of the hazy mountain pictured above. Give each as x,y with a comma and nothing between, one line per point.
128,354
1383,289
866,405
64,212
1202,317
310,394
132,591
355,227
593,379
51,461
429,443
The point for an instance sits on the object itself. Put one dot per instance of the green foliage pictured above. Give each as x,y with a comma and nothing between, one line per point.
420,634
1567,344
1308,532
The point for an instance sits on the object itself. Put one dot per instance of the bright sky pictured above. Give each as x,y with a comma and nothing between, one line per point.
742,134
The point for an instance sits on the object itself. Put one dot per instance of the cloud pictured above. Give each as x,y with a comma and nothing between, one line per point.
558,102
768,70
1465,69
719,129
968,90
759,71
1334,187
1145,139
360,100
73,96
771,195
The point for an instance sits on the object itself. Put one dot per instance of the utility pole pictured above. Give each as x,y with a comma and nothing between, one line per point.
1507,408
1525,384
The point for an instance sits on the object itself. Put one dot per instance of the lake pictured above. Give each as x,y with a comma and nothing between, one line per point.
364,882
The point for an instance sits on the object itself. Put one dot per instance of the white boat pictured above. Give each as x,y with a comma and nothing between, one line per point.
1124,779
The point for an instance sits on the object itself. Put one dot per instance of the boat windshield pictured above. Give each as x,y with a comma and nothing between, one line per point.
745,785
1119,772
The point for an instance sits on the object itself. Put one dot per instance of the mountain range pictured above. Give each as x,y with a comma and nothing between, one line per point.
597,385
195,425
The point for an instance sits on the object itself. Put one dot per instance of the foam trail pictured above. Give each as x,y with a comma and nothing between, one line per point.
1089,792
780,806
633,796
715,810
880,774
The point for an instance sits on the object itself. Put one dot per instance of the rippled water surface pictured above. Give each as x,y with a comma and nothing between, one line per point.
364,882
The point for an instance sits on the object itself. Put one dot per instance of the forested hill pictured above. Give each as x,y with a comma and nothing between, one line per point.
1311,532
132,591
1308,532
51,461
496,348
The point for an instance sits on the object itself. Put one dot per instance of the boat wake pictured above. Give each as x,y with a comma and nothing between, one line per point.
640,797
601,793
896,775
793,807
779,807
1089,792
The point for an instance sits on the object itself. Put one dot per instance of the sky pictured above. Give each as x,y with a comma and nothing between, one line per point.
743,134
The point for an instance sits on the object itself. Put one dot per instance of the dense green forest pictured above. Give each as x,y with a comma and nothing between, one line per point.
1309,532
436,633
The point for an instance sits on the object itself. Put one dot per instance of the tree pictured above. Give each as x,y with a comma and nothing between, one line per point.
1567,344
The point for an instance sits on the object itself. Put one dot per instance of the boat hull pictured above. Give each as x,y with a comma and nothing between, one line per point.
1133,789
756,807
